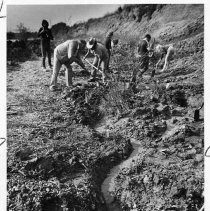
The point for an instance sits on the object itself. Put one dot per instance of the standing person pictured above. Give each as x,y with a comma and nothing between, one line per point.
143,56
166,51
108,45
66,53
46,35
100,60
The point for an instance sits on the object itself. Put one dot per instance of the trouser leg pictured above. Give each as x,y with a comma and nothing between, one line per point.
95,63
104,70
43,50
134,75
69,75
144,65
167,58
49,57
108,70
56,69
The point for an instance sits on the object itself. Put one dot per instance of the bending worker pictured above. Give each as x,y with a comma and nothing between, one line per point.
164,50
101,59
67,53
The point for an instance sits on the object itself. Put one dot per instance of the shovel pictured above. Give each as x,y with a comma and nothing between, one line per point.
197,113
93,66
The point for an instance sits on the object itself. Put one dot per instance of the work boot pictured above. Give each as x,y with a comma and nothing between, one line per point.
54,88
44,69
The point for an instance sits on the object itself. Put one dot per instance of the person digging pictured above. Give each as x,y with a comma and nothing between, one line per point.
101,59
142,55
166,51
66,53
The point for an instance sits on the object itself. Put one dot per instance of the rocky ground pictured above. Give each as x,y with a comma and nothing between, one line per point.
61,145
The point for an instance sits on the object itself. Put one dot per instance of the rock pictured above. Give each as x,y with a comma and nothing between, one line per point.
24,154
199,158
166,110
146,179
168,86
176,112
190,154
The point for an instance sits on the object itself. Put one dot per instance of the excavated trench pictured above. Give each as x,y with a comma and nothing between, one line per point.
107,185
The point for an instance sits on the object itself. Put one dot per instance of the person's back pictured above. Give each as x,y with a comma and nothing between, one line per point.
65,49
143,48
101,51
108,42
62,49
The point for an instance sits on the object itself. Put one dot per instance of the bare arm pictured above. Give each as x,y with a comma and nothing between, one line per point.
161,57
166,63
79,62
99,62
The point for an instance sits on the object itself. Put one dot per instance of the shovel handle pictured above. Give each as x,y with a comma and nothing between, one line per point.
92,65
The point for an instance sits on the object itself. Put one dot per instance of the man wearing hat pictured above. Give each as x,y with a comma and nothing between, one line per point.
101,58
66,53
143,56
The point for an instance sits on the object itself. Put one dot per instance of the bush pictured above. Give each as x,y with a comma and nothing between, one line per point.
20,51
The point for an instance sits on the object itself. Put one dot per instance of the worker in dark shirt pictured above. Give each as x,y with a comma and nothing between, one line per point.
108,45
45,35
143,51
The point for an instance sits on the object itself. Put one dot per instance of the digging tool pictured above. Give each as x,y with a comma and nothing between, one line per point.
197,113
93,66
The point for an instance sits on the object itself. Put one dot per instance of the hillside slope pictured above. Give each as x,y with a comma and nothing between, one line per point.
167,22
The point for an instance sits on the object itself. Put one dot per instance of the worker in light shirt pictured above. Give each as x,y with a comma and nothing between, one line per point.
166,52
66,53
